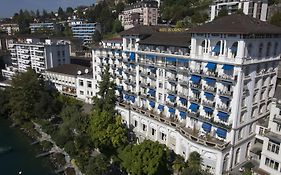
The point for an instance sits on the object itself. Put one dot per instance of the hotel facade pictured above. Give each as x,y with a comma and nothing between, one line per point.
199,91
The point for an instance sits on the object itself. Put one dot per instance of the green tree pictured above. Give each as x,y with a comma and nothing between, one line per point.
276,19
3,103
194,165
96,37
97,165
117,26
24,95
222,12
146,158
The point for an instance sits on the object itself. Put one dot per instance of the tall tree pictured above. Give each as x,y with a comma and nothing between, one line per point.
146,158
24,94
276,19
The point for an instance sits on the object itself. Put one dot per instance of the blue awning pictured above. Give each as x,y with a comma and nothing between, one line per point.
171,59
182,60
132,56
223,116
195,79
206,127
211,66
224,99
183,100
127,97
132,98
151,91
148,56
227,67
208,110
183,114
172,110
210,80
221,133
226,82
194,107
209,95
216,49
152,104
161,107
171,97
118,51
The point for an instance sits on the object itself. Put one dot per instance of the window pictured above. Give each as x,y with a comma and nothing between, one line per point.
271,163
273,147
278,127
275,48
144,128
260,49
250,46
63,53
58,53
136,123
250,128
81,92
240,134
89,84
153,131
268,48
81,83
160,85
237,156
160,96
163,136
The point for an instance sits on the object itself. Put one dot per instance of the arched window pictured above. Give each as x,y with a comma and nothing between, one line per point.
260,49
204,47
225,162
233,49
237,156
268,49
275,48
248,149
249,49
217,48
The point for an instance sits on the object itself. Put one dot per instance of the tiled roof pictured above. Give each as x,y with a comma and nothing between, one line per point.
177,39
236,24
68,69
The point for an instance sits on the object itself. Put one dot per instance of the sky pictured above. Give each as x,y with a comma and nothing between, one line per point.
9,7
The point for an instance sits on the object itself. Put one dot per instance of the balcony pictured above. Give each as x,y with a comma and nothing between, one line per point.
209,89
184,83
151,75
172,79
183,71
182,94
226,77
208,103
211,74
195,71
194,99
170,67
225,93
224,108
172,92
196,86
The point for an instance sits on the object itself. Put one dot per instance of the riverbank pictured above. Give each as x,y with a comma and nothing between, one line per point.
23,155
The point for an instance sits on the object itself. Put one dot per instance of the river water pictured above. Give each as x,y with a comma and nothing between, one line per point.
22,157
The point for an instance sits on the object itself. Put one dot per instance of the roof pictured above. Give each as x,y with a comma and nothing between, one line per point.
141,30
237,24
177,39
68,69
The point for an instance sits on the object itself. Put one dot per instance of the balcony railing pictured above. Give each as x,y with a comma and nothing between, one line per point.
209,88
194,99
211,73
224,108
197,86
225,92
208,103
226,77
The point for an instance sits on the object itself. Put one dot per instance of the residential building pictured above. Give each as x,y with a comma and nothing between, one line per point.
10,29
47,26
114,43
38,55
64,78
254,8
84,30
85,87
203,90
140,13
266,150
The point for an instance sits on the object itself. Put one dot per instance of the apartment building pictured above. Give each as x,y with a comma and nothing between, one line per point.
202,91
37,55
254,8
140,13
10,29
84,30
64,78
48,26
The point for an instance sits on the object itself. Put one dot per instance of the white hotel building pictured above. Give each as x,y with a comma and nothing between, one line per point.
37,55
199,91
254,8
